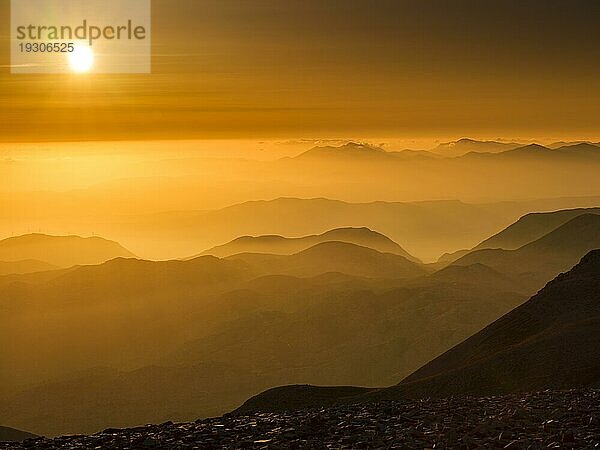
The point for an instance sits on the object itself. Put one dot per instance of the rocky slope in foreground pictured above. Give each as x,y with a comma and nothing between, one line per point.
567,419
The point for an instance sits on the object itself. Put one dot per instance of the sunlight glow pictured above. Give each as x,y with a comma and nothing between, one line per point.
81,59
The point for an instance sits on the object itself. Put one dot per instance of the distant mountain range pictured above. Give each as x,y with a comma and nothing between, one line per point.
349,150
584,150
353,151
549,342
464,146
422,228
58,251
279,245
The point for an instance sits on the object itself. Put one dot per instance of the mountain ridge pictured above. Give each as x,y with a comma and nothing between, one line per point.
333,256
545,343
280,245
61,251
539,261
530,227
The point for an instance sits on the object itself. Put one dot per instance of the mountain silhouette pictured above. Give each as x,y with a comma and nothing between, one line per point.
559,144
538,262
581,151
549,342
61,251
167,327
448,258
483,275
464,146
351,150
127,304
334,256
528,150
531,227
24,266
11,435
422,228
280,245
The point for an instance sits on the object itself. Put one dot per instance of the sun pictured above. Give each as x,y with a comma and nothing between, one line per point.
81,59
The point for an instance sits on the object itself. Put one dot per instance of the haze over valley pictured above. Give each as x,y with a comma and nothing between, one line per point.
185,304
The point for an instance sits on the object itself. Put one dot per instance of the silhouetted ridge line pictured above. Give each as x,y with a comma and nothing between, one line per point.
61,251
277,244
549,342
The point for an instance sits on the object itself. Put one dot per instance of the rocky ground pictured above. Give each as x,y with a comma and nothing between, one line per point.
568,419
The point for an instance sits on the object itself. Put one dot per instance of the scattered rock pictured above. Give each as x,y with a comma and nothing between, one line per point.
549,419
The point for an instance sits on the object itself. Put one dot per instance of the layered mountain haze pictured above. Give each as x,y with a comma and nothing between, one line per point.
423,228
527,229
541,260
179,199
549,342
60,251
235,326
559,144
583,149
464,146
532,227
127,341
355,152
80,315
24,266
536,152
351,151
343,257
280,245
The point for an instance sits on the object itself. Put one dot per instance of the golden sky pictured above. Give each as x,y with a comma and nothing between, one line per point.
325,68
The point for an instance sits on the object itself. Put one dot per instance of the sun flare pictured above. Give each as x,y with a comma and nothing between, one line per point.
81,59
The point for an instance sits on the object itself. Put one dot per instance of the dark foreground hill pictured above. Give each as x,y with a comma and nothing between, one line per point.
539,420
11,435
549,342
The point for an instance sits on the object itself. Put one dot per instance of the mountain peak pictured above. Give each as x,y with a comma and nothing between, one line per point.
582,147
466,145
280,245
531,149
350,149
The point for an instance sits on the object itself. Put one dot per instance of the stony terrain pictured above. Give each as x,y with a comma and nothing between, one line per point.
549,419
